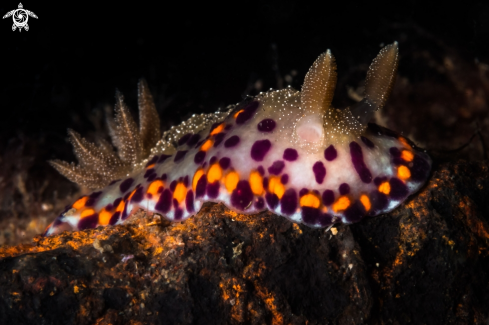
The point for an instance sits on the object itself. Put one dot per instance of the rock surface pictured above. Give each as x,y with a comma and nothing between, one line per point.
425,263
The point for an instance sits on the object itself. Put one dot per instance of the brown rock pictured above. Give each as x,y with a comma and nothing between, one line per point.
426,262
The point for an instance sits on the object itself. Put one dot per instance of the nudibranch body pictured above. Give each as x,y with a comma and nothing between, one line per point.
286,151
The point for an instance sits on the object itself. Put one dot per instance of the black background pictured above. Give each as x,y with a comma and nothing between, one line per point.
196,57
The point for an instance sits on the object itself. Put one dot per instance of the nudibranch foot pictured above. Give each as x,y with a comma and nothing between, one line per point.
286,151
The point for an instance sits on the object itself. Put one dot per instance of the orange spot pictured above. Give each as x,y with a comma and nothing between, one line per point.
237,113
87,213
120,207
150,166
403,172
404,141
130,195
256,183
104,217
342,203
155,186
180,192
207,145
310,200
407,155
385,188
214,173
275,186
198,174
365,201
80,203
218,129
231,181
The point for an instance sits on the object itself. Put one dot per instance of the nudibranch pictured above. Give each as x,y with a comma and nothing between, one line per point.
286,151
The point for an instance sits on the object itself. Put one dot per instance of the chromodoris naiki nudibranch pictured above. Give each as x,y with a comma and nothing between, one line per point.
286,151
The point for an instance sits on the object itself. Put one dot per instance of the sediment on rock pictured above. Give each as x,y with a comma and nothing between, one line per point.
426,262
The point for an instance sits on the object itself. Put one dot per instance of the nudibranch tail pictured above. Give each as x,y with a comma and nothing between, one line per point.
285,151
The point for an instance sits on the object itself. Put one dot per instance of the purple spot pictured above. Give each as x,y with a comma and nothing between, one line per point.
115,217
193,140
228,127
265,182
379,180
213,190
126,184
201,185
354,212
259,203
303,192
319,171
163,158
379,201
358,163
330,153
266,125
247,113
175,203
149,196
276,167
325,220
284,179
108,207
310,216
200,143
396,153
344,189
261,170
272,200
259,149
367,142
231,142
224,162
218,139
163,177
116,202
152,177
164,202
398,161
242,196
178,214
95,195
152,161
138,195
199,157
184,139
180,155
212,160
290,154
88,222
185,181
420,169
149,172
398,189
173,185
189,201
288,202
328,197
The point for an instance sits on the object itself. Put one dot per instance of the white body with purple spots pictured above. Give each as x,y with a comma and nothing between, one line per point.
275,151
